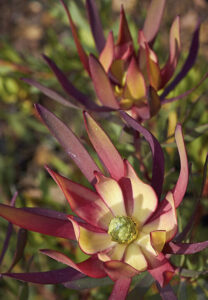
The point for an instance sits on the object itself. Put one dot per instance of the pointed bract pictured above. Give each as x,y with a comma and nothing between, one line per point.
124,35
102,84
158,156
91,267
135,83
80,50
104,148
189,62
175,47
181,185
153,19
107,55
69,142
95,24
83,201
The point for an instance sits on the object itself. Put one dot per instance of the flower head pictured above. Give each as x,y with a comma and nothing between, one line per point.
124,78
121,224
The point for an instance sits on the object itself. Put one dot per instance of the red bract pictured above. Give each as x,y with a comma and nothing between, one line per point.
121,224
122,77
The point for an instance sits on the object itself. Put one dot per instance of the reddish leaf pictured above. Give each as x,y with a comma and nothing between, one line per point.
68,86
50,93
69,142
83,201
102,84
95,24
120,289
185,248
190,60
118,269
124,43
107,54
181,185
81,52
124,35
104,148
153,19
175,47
49,277
92,267
41,223
158,156
163,271
126,187
21,243
9,231
180,237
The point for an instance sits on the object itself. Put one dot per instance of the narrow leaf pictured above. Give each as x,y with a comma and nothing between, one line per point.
175,47
92,267
49,277
190,223
153,19
41,223
158,156
107,54
21,243
102,84
181,185
9,231
148,62
67,85
184,95
185,248
95,24
120,289
104,148
50,93
190,60
69,142
80,50
124,35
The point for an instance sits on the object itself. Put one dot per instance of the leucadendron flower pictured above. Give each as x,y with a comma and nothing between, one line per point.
122,224
123,77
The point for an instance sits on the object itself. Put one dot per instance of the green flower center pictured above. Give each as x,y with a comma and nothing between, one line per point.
123,230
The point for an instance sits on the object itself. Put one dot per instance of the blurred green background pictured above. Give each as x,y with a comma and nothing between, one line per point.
30,28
